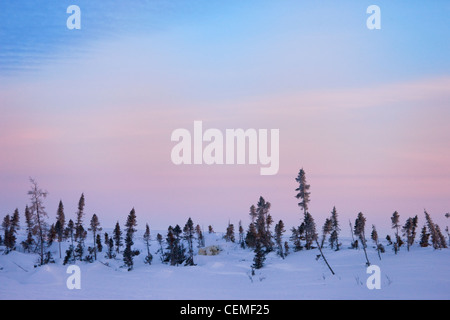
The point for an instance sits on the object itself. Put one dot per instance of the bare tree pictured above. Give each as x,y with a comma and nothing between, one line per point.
37,210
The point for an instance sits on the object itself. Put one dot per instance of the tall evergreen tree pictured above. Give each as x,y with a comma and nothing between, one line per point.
159,238
229,235
302,190
437,238
15,220
51,235
98,243
37,210
310,231
59,235
252,213
360,224
129,253
260,255
279,230
250,238
297,236
424,237
263,222
80,232
188,235
409,231
117,237
396,225
60,216
374,236
241,235
110,254
29,242
79,229
9,239
95,228
70,252
326,229
335,229
175,251
200,237
147,238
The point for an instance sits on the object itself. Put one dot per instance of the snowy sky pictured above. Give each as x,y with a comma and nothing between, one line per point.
365,113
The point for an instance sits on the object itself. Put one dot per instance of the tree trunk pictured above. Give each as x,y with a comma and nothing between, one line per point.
321,253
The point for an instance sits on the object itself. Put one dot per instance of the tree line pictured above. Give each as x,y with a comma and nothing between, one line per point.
177,247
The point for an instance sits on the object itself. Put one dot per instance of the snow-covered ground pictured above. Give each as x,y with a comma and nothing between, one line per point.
422,273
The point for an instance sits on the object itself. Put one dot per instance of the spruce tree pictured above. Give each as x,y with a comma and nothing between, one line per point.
175,251
129,253
110,254
117,237
409,231
310,231
147,238
229,235
180,250
188,235
252,213
80,232
279,230
263,222
94,228
70,252
59,235
260,255
286,248
424,237
106,237
29,242
326,229
437,238
302,190
15,220
7,234
250,238
334,236
374,236
51,235
60,216
360,224
200,237
241,235
159,238
297,236
98,243
396,225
